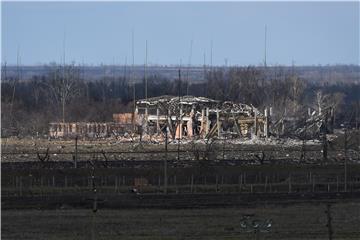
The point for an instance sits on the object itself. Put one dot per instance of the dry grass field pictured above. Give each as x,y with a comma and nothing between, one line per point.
300,221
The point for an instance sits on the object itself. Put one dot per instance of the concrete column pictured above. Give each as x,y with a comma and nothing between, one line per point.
157,120
255,123
207,126
146,120
266,124
218,123
74,128
202,126
189,124
181,123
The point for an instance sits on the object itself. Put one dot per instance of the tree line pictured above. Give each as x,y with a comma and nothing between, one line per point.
64,94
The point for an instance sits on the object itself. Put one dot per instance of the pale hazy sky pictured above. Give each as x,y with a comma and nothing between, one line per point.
100,32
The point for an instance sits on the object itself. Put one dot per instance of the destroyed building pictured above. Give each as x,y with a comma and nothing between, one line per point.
180,117
191,117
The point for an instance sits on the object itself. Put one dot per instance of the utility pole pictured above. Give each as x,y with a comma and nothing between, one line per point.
133,76
63,80
345,165
211,55
179,121
265,46
324,139
205,80
76,152
166,156
145,70
188,68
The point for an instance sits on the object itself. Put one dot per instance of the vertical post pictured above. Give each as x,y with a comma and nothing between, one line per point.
20,185
165,163
266,182
146,120
240,182
116,183
207,122
255,123
324,140
313,183
289,183
217,183
218,122
203,122
181,123
345,165
266,124
176,188
76,151
157,120
192,183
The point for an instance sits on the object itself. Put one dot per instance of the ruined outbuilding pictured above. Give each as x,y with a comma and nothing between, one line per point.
185,117
190,117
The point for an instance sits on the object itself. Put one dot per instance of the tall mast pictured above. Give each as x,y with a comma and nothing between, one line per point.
63,80
211,55
145,68
188,68
133,74
265,46
206,89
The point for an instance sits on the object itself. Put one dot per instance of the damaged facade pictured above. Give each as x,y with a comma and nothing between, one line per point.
85,129
180,117
199,117
189,117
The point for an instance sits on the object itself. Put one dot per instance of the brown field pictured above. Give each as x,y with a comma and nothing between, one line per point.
300,221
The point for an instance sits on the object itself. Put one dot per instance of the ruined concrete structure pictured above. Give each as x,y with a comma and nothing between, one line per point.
85,129
180,117
189,117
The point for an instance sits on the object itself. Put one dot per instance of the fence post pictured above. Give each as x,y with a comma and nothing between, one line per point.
289,183
65,182
240,182
217,183
20,185
76,152
176,187
313,183
266,182
192,183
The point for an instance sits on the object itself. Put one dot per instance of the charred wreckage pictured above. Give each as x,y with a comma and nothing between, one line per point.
189,117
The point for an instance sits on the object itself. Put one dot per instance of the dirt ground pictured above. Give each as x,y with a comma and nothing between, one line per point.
300,221
27,149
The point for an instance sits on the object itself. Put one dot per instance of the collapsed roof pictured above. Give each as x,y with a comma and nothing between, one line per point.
172,103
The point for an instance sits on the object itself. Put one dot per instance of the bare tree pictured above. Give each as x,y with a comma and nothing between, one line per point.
64,85
320,100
